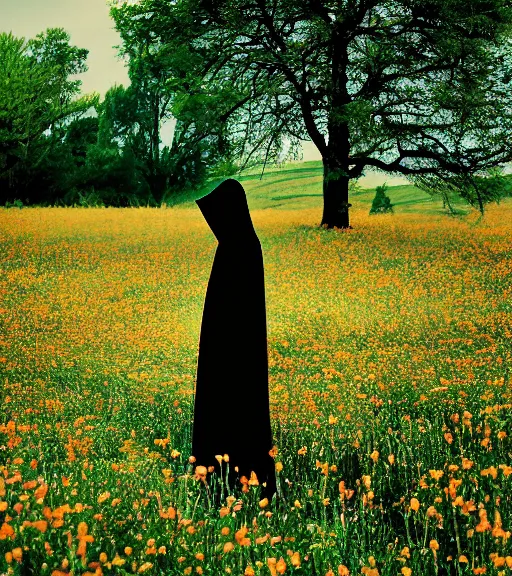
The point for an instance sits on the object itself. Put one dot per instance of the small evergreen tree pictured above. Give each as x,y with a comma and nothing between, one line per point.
381,203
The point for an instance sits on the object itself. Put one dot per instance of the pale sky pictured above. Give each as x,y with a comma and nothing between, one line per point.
89,26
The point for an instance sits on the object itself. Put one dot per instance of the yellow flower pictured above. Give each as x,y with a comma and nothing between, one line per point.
118,561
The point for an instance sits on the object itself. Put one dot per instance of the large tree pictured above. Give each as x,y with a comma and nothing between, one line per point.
406,86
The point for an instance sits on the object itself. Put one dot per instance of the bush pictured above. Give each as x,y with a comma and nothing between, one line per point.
381,203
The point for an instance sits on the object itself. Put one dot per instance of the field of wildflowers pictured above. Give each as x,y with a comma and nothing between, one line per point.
389,357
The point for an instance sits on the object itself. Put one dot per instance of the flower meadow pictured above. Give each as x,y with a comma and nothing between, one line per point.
390,346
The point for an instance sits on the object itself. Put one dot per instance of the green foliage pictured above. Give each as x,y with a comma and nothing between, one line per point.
110,177
80,134
36,104
477,189
16,204
52,49
381,203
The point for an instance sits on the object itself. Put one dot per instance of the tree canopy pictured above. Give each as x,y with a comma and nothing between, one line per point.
406,86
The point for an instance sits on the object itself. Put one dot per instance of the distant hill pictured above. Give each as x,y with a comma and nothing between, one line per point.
297,186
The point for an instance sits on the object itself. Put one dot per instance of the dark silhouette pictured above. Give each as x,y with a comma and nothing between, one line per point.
231,413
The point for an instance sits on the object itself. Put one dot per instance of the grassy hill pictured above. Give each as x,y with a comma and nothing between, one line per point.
299,186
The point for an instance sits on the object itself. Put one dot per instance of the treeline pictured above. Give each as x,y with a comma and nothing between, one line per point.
59,148
237,103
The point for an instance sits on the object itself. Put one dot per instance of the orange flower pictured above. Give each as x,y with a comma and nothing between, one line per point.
201,472
491,471
273,452
436,474
415,505
484,524
253,480
17,554
281,566
466,463
271,563
6,530
40,493
262,539
239,534
295,559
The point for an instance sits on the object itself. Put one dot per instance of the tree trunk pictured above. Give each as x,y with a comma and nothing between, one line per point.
336,161
335,192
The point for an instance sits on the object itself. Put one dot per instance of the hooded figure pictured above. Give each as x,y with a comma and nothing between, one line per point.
231,412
